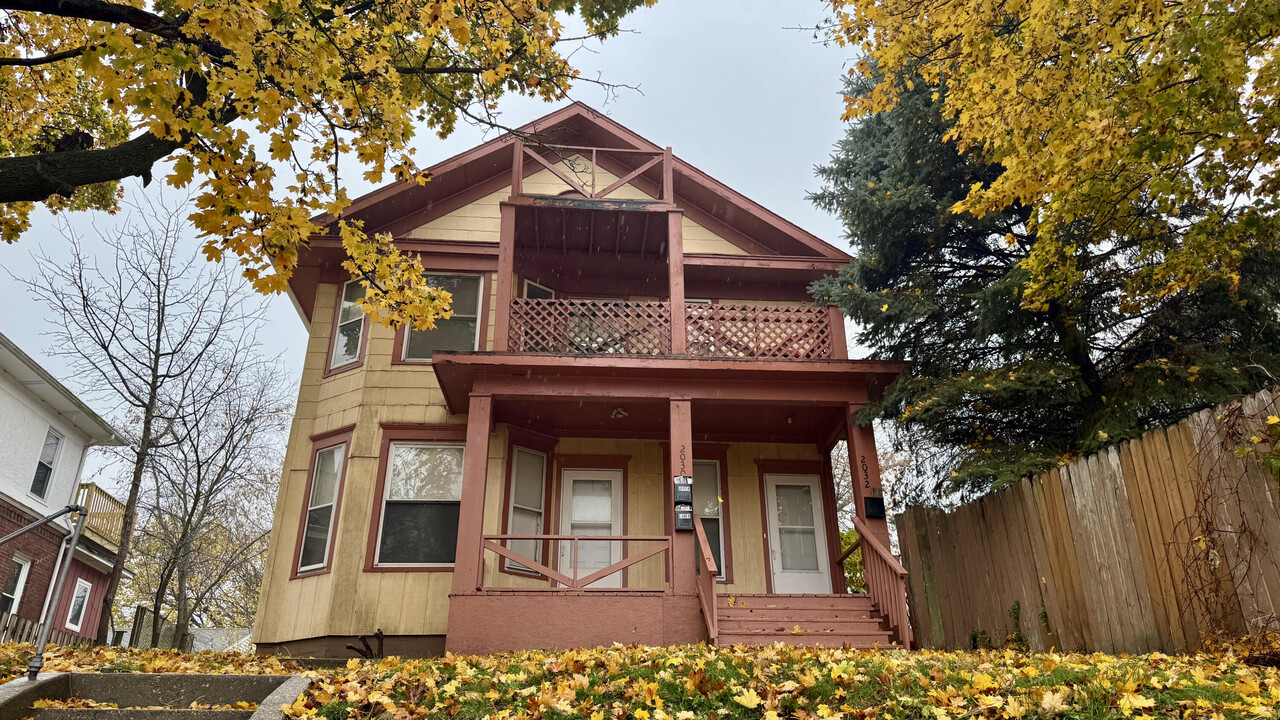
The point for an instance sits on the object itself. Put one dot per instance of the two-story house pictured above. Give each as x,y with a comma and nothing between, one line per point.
45,434
623,432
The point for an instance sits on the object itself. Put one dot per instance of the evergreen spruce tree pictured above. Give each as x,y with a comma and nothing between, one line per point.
995,391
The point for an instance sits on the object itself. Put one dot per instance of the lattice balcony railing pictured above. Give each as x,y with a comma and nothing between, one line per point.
590,327
760,331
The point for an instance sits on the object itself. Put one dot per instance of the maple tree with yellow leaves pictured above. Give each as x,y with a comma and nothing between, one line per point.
264,105
1101,114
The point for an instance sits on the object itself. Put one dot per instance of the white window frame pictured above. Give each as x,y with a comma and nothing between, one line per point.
337,329
25,562
71,606
386,490
722,570
540,286
333,505
480,319
509,564
53,467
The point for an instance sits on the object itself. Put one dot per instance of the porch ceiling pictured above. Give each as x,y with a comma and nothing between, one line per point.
649,420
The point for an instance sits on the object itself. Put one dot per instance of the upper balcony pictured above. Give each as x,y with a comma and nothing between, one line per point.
106,515
625,327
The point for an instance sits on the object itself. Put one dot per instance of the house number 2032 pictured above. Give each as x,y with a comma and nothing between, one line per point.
866,472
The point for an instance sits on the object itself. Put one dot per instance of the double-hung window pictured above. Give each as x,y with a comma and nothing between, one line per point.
421,496
75,613
321,503
707,502
349,333
44,466
461,331
528,492
14,584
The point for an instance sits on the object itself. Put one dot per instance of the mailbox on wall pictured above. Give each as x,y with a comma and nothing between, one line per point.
682,498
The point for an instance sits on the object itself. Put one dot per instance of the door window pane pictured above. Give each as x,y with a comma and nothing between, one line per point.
44,465
795,505
320,507
592,503
459,331
799,549
420,509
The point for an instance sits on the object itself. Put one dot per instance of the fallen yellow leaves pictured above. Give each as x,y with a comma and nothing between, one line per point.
700,683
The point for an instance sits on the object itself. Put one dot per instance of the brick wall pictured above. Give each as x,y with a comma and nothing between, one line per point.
40,545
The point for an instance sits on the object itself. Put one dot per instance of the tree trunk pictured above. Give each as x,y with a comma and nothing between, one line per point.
157,605
182,627
130,518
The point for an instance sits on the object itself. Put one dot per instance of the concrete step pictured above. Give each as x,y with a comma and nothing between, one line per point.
829,640
137,714
853,627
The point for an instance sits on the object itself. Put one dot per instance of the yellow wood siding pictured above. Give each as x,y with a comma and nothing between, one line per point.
480,221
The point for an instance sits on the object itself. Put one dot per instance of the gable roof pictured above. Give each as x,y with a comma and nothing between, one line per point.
487,168
29,374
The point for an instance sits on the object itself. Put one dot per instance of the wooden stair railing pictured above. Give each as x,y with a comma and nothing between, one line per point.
494,544
886,581
707,573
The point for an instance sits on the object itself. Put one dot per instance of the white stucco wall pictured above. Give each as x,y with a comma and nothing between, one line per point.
24,421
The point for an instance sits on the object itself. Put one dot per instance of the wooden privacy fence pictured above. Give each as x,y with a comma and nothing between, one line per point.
14,629
1158,543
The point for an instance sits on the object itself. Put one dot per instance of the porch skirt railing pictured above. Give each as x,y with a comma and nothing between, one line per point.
524,555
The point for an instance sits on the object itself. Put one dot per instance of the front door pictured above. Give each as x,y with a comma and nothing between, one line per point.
797,537
591,504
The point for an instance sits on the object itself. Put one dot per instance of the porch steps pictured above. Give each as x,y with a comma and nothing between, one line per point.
804,620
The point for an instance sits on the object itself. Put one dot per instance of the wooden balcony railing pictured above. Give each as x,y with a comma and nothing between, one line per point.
634,549
106,513
707,572
886,582
625,327
590,327
792,332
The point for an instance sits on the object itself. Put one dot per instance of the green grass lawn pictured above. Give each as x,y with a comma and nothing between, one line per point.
694,681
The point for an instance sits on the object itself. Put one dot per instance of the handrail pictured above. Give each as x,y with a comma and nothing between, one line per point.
886,581
707,573
853,547
494,544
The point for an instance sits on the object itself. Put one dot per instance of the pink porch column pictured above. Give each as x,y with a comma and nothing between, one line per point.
684,576
864,465
506,277
675,278
475,471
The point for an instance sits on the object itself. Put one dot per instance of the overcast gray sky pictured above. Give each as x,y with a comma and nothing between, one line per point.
730,85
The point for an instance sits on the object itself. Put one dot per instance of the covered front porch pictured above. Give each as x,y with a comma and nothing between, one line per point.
571,519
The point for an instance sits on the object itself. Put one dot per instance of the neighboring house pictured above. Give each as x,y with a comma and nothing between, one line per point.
221,639
45,434
620,319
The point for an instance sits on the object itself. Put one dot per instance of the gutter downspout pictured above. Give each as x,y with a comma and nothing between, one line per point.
62,547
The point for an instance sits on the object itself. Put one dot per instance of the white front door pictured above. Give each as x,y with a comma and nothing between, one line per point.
797,536
591,504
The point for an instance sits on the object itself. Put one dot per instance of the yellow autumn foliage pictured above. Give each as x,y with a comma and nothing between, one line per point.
265,107
1105,114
